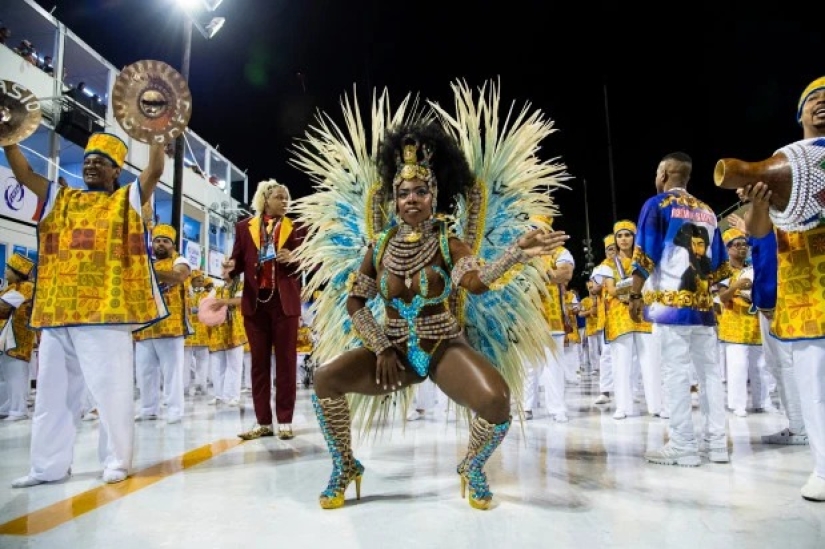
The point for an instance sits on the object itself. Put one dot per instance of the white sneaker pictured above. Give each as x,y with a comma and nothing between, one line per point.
414,415
146,417
173,420
113,476
233,403
561,418
785,437
716,453
91,415
668,455
814,489
16,418
28,481
619,415
603,399
740,413
214,401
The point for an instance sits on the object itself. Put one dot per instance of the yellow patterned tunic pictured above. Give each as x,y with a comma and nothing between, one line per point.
551,300
618,321
800,300
23,336
93,266
231,333
201,336
593,324
177,324
573,335
738,324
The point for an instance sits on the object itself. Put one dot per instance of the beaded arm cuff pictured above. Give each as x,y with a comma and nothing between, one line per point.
463,266
364,286
369,331
512,256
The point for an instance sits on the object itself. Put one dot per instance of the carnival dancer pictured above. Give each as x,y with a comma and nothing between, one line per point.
600,273
196,346
16,338
408,274
681,255
226,346
739,330
629,337
798,288
549,371
593,314
87,321
159,349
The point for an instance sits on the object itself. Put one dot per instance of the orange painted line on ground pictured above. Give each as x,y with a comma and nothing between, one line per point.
69,509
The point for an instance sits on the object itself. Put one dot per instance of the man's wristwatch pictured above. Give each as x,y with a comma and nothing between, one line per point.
635,296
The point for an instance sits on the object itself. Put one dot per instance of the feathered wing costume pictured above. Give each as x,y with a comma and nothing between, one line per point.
348,211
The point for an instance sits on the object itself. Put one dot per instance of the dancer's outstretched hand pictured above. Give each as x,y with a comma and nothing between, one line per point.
540,242
387,368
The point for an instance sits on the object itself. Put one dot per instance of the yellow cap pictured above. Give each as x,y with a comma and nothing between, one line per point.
196,273
732,234
108,145
163,230
816,85
609,240
21,264
624,225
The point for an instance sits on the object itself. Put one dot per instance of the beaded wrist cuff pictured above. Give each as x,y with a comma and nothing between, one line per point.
364,286
463,266
512,256
369,331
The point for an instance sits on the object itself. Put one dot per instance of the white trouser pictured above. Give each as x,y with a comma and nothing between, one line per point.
198,359
584,357
648,357
594,350
155,358
723,363
104,357
779,361
809,366
744,362
14,386
549,373
571,362
88,403
246,380
227,369
680,346
428,396
606,369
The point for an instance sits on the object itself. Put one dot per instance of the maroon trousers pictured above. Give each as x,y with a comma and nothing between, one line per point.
269,327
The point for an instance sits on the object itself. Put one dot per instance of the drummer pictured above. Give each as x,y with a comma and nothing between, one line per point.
100,234
626,337
739,331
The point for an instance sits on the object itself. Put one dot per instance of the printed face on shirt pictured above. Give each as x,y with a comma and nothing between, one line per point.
624,239
162,247
698,246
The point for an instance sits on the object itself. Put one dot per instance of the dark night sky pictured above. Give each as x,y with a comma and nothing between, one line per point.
708,85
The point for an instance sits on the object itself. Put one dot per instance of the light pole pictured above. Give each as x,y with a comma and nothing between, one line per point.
208,32
177,179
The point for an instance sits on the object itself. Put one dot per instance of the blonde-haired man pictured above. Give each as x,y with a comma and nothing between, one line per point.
270,304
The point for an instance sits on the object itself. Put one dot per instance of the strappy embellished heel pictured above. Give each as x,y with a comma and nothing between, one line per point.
485,437
333,417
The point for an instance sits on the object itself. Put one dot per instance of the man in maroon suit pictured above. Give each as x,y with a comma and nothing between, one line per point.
270,304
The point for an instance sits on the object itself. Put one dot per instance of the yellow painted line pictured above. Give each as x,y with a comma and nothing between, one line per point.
69,509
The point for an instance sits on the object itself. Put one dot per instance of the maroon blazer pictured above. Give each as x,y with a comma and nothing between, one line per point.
246,252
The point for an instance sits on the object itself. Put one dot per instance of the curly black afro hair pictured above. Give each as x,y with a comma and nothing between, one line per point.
452,172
